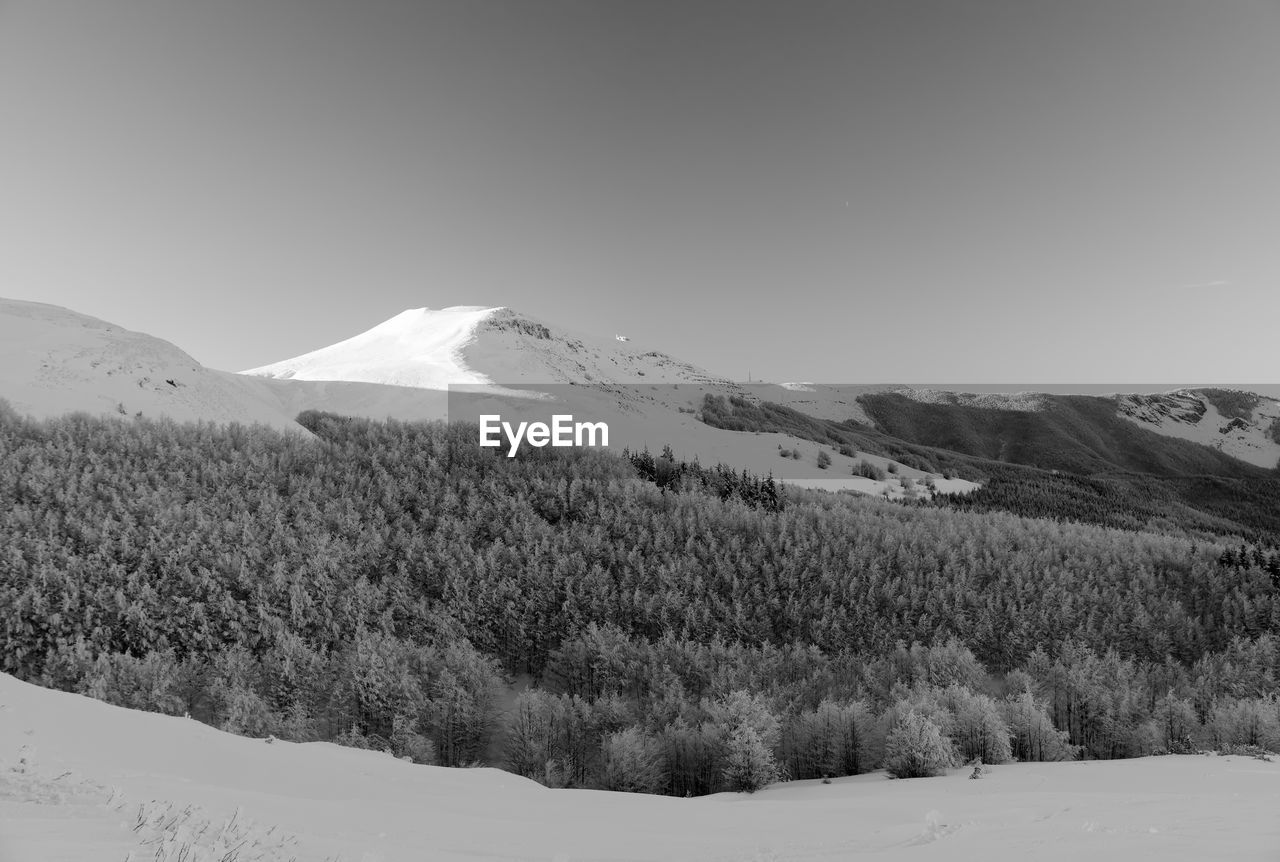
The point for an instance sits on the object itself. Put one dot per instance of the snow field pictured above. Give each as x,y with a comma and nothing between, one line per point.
94,772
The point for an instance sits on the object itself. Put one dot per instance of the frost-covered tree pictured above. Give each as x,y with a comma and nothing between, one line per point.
459,706
1176,725
917,748
1245,722
557,739
741,708
977,728
832,740
692,754
1032,735
406,741
747,732
633,762
749,762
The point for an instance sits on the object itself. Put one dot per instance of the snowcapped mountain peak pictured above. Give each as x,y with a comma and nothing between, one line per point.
429,348
426,316
419,347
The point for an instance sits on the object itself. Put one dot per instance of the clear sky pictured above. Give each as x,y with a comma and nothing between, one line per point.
897,190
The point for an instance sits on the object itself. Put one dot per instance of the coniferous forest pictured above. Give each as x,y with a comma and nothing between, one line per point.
592,620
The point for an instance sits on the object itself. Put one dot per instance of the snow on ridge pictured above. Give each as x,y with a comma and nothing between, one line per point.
1027,402
49,313
55,361
419,347
1193,414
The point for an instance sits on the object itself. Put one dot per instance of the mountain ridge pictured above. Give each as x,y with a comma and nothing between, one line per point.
1237,422
419,347
482,345
876,439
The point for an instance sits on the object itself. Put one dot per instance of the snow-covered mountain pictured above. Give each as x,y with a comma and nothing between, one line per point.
522,368
1238,423
421,347
433,348
55,361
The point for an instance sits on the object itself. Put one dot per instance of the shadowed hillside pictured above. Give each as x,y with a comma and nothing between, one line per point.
1074,461
1076,433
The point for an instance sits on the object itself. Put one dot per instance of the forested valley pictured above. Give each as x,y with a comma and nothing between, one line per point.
573,618
1039,463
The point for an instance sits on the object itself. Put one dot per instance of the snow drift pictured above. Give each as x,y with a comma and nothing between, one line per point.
55,361
90,773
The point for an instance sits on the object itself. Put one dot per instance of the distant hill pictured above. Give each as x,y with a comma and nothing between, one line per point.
1190,460
1070,459
1102,466
1077,433
55,361
1239,423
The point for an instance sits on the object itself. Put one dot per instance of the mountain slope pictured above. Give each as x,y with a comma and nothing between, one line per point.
1241,424
523,369
1081,464
514,348
1077,433
1115,471
419,347
55,361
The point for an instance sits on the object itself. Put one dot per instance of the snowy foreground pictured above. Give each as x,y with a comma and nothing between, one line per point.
101,783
